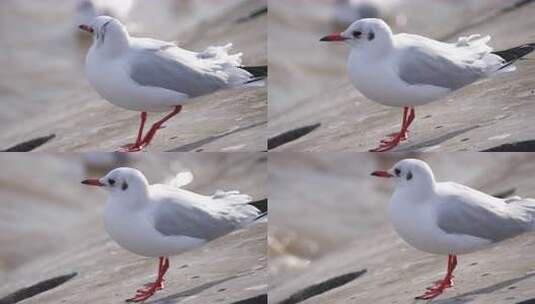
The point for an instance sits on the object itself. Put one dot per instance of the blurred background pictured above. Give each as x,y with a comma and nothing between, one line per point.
43,88
328,216
45,212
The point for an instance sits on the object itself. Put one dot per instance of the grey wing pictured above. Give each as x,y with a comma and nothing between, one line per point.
175,219
491,220
160,68
421,66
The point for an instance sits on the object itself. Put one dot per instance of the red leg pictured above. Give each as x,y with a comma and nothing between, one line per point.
148,138
394,142
136,147
149,285
440,286
140,131
410,118
403,123
145,293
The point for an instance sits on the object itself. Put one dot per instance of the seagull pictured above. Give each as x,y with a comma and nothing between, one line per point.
147,75
162,220
406,70
447,218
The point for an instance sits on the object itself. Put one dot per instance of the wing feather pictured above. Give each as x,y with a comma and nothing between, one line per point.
427,62
182,212
470,212
176,70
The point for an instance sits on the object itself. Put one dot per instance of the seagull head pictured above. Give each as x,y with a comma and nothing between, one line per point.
108,33
409,173
121,181
368,33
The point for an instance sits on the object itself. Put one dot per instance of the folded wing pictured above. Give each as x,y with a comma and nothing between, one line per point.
428,62
207,217
470,212
174,71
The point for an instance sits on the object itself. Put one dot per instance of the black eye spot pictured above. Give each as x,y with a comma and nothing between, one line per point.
357,34
111,181
409,175
397,172
371,36
124,186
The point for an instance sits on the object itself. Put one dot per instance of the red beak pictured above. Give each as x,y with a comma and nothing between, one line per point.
92,182
86,28
382,174
333,37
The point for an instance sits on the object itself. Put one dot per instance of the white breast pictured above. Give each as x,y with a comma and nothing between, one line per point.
414,225
415,222
111,79
135,232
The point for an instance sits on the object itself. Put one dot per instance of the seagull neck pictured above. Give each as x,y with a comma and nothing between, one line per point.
415,196
116,44
380,50
131,198
425,188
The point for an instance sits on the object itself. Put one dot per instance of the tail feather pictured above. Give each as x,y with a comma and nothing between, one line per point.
258,72
261,205
261,216
527,207
231,197
513,54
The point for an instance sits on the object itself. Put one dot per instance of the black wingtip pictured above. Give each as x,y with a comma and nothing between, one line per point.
516,53
261,205
259,71
261,216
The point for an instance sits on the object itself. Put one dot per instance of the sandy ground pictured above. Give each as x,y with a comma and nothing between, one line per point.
44,90
52,226
328,211
482,116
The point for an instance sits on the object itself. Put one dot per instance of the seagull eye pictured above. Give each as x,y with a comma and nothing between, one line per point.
371,36
397,172
124,186
409,176
111,181
357,34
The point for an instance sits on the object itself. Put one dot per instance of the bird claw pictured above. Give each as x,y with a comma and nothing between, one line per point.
148,291
428,296
132,148
436,290
385,147
391,142
441,285
392,136
149,286
140,297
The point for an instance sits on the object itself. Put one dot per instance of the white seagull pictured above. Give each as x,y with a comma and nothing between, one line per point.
163,220
147,75
447,218
406,70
